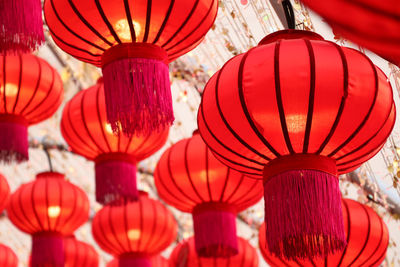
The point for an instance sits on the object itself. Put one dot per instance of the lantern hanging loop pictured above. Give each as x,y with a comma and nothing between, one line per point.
289,14
46,151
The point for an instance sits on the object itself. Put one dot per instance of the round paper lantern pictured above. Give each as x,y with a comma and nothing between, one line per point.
4,193
297,111
184,255
21,26
7,257
79,254
156,261
30,92
48,208
134,231
85,128
372,24
190,178
133,42
367,240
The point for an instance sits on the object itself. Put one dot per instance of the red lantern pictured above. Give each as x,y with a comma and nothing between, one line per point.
133,42
30,91
4,193
370,23
156,261
21,26
184,255
367,240
7,257
298,110
84,127
48,208
135,231
79,254
190,178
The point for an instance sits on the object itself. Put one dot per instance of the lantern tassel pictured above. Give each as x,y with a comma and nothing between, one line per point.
47,250
13,139
128,260
303,214
215,231
21,26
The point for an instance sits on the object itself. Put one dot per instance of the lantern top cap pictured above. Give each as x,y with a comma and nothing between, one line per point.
51,175
290,34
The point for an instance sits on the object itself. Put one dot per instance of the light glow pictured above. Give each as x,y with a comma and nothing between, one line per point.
123,31
134,234
54,211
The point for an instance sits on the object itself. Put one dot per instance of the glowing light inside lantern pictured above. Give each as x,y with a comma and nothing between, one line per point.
123,31
108,128
11,90
134,234
53,211
296,123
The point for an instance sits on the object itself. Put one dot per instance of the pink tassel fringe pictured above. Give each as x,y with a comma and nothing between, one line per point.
215,233
21,26
47,250
129,261
138,95
303,214
115,182
13,142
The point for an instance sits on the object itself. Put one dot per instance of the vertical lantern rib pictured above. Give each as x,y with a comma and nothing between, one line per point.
243,198
70,30
364,121
126,227
99,119
227,124
153,228
19,206
85,125
19,82
61,205
246,110
236,188
106,241
380,258
279,98
107,22
129,19
75,244
39,78
137,149
148,20
346,206
140,225
46,187
188,175
114,235
39,222
311,96
128,144
184,23
225,185
168,14
174,196
44,113
343,100
207,176
367,238
88,25
226,147
4,84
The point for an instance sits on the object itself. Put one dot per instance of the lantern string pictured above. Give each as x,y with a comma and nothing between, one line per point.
289,14
46,151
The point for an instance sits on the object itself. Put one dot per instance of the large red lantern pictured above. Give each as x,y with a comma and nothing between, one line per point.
21,26
370,23
134,231
133,42
48,208
184,255
85,128
190,178
7,257
156,261
367,240
30,92
4,192
297,111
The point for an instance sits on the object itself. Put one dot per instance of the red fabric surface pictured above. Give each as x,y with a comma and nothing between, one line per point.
4,193
156,261
188,174
84,127
85,30
370,23
284,98
33,90
29,205
79,254
184,255
367,238
144,227
7,257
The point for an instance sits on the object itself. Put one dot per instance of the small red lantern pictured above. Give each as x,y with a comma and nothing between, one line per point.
184,255
190,178
367,241
21,26
297,111
132,41
4,193
30,92
7,257
48,208
370,23
85,128
134,231
156,261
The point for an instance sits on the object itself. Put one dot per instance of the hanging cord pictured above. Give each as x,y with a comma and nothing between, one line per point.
45,149
289,14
